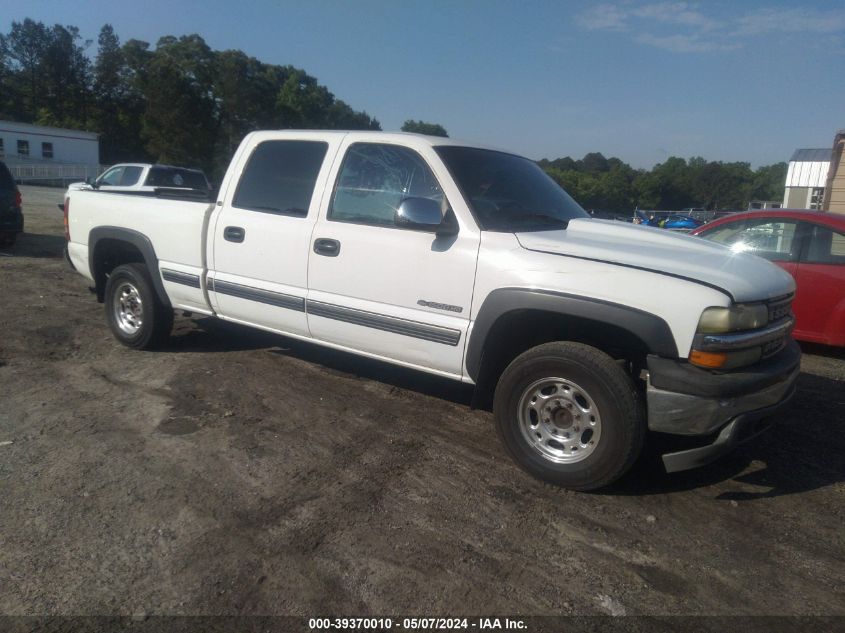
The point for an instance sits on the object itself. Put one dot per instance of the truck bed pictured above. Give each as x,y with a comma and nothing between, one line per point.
177,228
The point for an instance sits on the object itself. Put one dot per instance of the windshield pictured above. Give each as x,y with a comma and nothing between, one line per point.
508,193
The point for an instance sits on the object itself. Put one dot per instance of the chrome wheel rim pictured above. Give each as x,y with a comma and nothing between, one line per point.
559,420
128,309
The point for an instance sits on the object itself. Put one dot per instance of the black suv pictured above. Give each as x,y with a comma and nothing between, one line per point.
11,216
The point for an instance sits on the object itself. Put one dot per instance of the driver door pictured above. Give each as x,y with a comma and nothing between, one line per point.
396,293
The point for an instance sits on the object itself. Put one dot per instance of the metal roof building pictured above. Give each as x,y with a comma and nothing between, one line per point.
806,178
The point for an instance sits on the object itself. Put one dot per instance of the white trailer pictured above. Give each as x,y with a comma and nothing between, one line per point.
38,153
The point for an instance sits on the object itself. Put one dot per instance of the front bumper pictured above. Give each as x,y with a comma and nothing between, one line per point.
741,428
684,400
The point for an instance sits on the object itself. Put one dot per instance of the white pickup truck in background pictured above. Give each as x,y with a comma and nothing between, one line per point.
144,178
584,335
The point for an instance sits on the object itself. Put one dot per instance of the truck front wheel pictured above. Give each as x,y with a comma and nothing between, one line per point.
570,415
134,313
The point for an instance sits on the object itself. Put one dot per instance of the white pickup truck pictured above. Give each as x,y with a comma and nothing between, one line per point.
144,178
585,336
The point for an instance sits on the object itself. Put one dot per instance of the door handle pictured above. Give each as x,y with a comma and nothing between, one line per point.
327,247
233,234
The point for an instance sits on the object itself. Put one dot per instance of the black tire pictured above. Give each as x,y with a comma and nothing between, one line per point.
8,239
589,376
154,320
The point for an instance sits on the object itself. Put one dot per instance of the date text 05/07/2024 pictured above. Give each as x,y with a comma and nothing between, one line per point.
416,624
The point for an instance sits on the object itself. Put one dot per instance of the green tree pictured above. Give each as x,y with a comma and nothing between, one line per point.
302,102
66,78
245,95
593,163
178,125
422,127
768,182
610,184
119,105
24,47
179,102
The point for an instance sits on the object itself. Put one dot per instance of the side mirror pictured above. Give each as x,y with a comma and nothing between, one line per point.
423,214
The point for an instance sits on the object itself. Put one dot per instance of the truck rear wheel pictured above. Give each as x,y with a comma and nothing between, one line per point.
135,314
570,415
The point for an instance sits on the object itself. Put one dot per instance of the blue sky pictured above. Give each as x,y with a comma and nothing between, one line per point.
642,80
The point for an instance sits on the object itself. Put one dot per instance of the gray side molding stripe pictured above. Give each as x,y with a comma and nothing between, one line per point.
256,294
415,329
405,327
177,277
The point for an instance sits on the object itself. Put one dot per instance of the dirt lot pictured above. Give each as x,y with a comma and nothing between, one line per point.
243,473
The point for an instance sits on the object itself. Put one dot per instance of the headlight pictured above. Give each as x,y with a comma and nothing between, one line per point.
733,319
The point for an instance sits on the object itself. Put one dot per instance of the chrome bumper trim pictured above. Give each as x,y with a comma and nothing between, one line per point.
684,414
743,340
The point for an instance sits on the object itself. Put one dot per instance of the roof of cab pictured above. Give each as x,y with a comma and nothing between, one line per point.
401,138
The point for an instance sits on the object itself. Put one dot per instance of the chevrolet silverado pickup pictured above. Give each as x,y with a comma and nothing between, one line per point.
585,337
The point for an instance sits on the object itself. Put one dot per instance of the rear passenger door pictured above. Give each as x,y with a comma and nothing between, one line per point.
261,236
821,283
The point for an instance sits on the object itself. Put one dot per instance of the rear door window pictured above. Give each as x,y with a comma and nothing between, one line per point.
131,174
824,246
280,177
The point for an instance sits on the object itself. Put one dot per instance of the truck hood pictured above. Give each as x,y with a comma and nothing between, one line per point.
743,276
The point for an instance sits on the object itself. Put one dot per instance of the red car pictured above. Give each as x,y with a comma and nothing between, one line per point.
810,245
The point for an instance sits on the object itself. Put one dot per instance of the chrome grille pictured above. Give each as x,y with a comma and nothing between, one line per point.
780,308
773,347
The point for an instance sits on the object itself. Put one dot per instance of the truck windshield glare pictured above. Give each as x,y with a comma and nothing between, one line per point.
508,193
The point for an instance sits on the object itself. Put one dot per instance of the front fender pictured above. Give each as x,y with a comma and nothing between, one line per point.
652,330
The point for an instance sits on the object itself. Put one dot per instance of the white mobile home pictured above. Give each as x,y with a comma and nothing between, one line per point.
39,153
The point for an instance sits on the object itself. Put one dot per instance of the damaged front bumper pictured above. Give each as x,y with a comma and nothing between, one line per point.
722,409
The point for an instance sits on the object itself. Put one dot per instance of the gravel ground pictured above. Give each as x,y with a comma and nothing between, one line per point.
238,472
